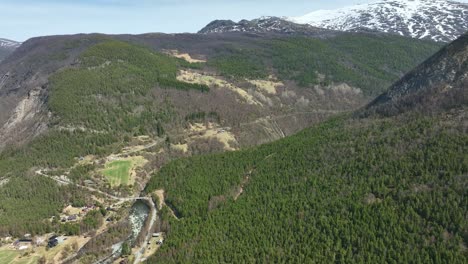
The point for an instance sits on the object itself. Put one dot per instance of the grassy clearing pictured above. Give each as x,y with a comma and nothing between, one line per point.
184,56
8,256
210,131
118,172
192,77
121,172
268,86
180,147
27,260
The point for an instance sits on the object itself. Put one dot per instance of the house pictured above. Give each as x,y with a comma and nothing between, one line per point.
52,243
23,244
156,234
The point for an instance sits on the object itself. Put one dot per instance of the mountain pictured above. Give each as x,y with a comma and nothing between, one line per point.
9,43
440,82
438,20
263,25
265,73
398,181
86,120
7,47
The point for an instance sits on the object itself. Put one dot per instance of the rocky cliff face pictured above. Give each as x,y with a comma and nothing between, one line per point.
440,82
23,84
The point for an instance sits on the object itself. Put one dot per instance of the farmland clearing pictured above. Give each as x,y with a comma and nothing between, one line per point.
122,171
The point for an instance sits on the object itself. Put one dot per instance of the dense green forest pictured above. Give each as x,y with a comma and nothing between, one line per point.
106,96
368,62
111,89
346,191
96,104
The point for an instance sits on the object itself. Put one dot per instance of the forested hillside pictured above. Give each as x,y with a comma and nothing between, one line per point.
350,190
357,60
363,191
116,71
93,93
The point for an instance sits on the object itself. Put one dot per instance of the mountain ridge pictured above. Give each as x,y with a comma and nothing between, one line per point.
24,88
440,81
438,20
266,24
9,43
7,47
357,176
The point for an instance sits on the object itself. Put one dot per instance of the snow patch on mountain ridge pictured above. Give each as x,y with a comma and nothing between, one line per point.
439,20
9,43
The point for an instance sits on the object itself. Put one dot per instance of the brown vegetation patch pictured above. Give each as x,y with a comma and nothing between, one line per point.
215,82
184,56
268,86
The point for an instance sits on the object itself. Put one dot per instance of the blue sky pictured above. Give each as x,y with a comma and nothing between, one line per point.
22,19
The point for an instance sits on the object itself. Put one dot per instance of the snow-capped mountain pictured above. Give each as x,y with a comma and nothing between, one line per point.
9,43
261,25
439,20
7,47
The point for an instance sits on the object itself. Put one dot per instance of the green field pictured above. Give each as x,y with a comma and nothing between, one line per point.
118,172
7,256
10,257
29,260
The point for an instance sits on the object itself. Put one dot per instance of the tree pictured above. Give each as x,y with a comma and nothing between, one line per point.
126,249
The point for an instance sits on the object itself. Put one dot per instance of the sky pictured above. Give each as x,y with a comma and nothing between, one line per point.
23,19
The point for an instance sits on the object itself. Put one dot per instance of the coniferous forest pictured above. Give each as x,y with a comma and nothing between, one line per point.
350,189
346,191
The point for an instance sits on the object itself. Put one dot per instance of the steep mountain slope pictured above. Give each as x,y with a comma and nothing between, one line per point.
442,81
24,84
7,47
340,72
439,20
348,190
263,25
91,98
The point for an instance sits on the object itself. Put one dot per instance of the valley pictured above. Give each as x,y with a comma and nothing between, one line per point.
254,141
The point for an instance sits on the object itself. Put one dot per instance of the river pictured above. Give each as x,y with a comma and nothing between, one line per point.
138,214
